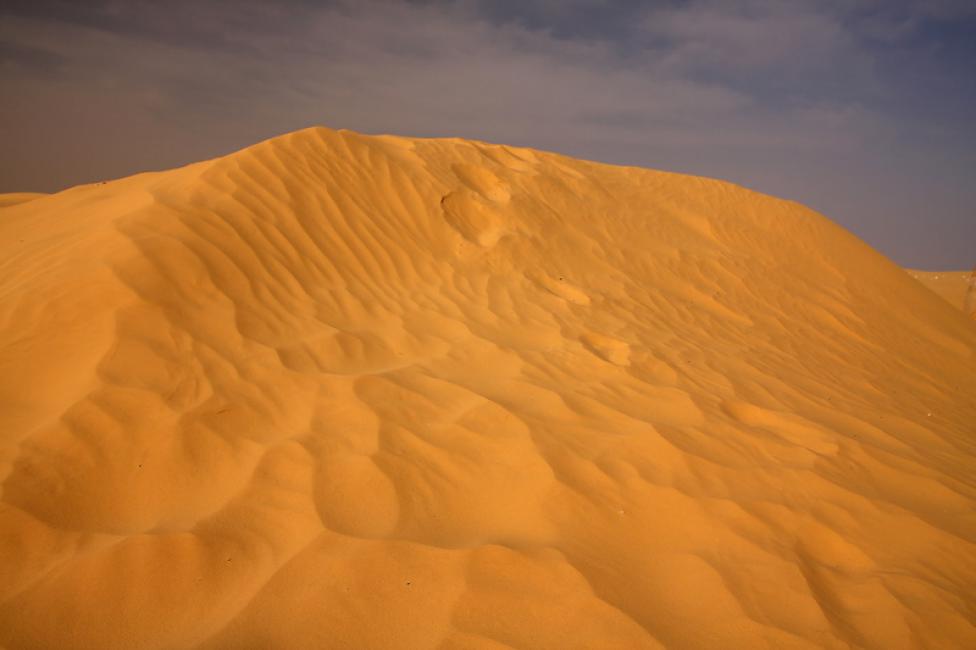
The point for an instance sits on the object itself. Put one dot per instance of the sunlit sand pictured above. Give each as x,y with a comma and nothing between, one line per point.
339,391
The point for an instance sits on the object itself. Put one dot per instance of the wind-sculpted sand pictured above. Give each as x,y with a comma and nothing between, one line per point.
338,391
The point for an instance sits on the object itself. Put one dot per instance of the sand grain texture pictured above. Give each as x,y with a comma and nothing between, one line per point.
341,391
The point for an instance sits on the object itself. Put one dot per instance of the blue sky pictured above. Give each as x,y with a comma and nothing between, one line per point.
861,109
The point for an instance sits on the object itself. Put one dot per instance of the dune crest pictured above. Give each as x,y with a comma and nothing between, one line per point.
343,391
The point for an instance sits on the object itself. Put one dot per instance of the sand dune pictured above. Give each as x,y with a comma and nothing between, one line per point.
338,391
16,198
951,286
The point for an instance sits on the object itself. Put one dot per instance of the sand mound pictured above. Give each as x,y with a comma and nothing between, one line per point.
337,391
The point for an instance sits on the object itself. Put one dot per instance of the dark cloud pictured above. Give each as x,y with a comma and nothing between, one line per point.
860,108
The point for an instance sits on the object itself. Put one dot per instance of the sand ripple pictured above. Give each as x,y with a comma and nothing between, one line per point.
353,392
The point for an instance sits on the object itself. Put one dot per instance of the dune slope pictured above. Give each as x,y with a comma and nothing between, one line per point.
15,198
341,391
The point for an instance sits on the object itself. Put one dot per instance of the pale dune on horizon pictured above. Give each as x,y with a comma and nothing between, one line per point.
347,391
951,286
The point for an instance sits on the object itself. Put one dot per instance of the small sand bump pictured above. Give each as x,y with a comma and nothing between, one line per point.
482,181
477,222
559,286
787,426
607,348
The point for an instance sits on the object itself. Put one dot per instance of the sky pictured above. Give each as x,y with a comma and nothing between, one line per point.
861,109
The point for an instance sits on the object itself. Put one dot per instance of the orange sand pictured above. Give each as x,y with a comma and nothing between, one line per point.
338,391
17,198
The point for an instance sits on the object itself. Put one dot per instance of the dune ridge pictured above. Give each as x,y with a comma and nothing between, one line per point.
351,391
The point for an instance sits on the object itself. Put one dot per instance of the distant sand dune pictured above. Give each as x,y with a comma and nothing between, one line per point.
969,304
339,391
952,286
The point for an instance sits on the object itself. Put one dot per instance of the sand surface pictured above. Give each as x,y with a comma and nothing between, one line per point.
16,198
337,391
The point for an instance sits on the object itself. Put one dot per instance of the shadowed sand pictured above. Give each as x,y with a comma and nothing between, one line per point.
338,391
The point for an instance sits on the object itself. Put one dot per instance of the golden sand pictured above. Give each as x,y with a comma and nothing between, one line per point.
17,198
338,391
